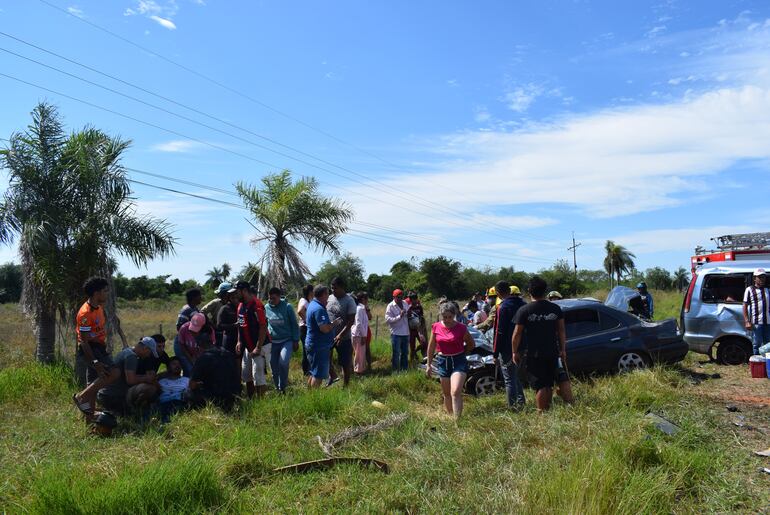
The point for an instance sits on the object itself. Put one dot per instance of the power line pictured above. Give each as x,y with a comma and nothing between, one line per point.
191,120
197,140
260,103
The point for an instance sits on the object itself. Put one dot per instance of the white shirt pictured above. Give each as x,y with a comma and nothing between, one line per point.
396,319
758,301
302,303
361,326
171,389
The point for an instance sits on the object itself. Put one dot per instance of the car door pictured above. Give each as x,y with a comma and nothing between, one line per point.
594,339
581,324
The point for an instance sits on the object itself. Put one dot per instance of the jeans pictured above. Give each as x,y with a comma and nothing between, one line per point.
400,357
513,386
280,356
187,365
305,361
761,336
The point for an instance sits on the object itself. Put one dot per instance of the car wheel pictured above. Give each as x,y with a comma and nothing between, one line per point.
733,352
481,384
629,361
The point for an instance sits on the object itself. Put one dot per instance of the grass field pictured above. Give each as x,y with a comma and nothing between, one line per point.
600,456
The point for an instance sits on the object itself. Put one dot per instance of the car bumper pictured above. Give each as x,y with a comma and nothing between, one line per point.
672,352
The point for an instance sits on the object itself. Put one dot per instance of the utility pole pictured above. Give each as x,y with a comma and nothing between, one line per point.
573,248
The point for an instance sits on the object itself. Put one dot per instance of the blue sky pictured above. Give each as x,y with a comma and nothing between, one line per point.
485,131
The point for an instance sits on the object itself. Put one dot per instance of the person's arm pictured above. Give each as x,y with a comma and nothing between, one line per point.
221,324
323,322
183,347
350,319
518,332
651,304
132,378
391,315
431,350
746,318
302,311
562,342
489,322
293,323
470,343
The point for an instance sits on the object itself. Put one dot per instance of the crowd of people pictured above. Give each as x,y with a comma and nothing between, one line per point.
236,340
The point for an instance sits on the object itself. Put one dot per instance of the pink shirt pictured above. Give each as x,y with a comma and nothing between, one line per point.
450,341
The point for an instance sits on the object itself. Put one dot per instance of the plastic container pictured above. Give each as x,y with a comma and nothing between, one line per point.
758,366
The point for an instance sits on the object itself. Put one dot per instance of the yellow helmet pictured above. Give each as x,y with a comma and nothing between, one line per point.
515,290
491,292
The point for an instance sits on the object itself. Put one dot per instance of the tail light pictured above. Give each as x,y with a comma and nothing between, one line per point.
690,290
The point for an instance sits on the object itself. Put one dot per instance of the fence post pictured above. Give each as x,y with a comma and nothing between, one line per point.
376,326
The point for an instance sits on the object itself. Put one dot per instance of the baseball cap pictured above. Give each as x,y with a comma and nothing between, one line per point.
398,292
242,285
224,288
515,290
759,271
197,322
151,344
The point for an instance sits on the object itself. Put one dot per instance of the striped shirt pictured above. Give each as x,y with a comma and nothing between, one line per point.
758,302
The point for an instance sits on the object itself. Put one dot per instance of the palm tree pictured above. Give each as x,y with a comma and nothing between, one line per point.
226,271
681,280
618,260
69,204
289,212
214,277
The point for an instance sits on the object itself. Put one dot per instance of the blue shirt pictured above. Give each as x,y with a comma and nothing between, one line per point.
316,317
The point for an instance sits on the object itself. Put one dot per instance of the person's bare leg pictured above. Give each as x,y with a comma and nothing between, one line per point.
315,382
543,399
565,392
446,390
89,393
457,383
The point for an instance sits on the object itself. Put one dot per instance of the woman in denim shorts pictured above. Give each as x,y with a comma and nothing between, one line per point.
452,341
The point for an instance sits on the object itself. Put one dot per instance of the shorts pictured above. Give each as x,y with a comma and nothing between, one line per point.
344,352
100,354
448,365
255,369
542,372
319,360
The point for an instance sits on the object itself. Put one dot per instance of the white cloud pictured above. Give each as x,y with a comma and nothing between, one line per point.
613,162
163,22
520,98
177,146
161,14
76,11
655,31
452,83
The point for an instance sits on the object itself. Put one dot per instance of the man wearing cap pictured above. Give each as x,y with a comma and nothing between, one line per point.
396,316
489,323
503,335
212,308
252,340
756,310
554,295
131,390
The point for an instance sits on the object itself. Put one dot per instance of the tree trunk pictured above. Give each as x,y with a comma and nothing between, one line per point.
46,335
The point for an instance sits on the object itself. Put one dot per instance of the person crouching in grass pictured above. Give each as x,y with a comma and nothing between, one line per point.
452,340
131,392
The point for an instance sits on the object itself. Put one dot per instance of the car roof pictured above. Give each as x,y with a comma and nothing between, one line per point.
733,266
578,303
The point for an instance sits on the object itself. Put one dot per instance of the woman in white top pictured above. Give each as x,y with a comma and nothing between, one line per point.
307,295
359,332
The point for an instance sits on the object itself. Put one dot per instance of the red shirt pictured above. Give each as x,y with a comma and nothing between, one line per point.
450,341
250,317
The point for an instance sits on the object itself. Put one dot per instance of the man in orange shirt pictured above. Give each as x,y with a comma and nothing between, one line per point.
92,345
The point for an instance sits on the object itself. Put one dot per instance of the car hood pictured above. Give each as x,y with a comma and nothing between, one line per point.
619,297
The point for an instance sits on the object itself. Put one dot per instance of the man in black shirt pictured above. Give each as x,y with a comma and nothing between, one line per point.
503,335
541,324
151,362
215,377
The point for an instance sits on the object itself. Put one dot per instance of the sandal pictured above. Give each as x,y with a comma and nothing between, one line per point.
84,407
